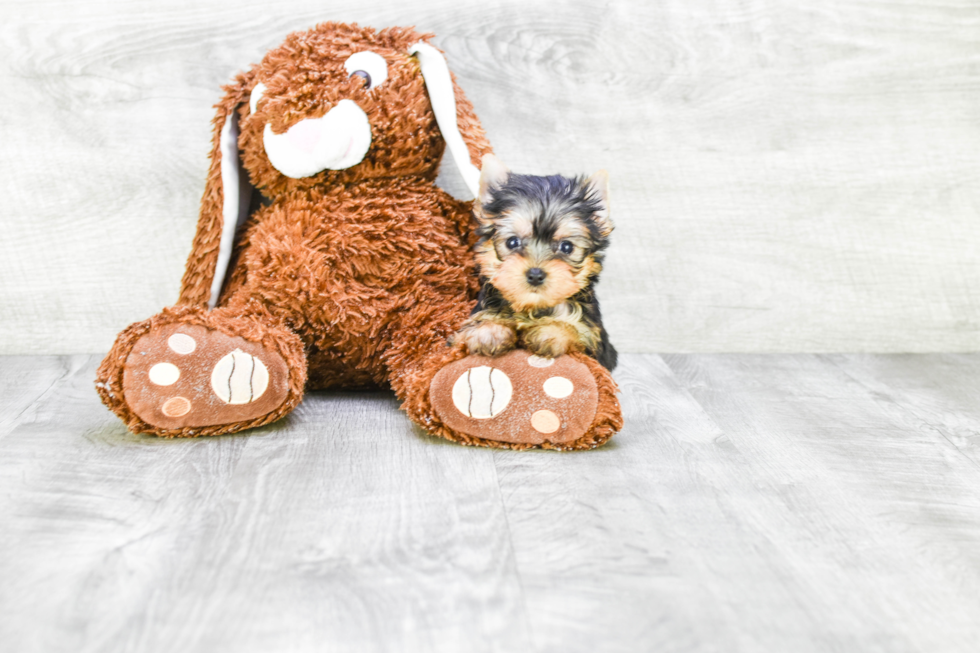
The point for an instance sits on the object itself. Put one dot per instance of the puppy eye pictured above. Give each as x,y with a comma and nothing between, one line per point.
566,247
369,66
513,242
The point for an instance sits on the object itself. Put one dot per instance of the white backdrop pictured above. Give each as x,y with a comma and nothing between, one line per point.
784,178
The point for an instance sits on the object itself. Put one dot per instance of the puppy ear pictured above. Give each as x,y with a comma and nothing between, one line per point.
598,188
225,204
460,128
493,174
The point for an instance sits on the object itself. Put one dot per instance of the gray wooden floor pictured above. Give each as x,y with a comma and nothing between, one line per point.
753,503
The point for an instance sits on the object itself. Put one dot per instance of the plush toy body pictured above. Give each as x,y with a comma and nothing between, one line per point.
348,266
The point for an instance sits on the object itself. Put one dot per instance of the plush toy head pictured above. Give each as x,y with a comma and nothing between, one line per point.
333,105
341,103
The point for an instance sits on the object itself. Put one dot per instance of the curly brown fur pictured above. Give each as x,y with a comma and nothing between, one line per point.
539,255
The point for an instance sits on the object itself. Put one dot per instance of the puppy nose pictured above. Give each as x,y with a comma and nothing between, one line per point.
536,276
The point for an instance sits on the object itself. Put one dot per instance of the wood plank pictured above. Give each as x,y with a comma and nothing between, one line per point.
784,503
607,558
790,513
25,379
873,522
786,176
938,393
340,526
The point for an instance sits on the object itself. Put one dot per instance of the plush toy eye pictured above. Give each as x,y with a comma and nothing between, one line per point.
513,242
363,74
369,66
566,247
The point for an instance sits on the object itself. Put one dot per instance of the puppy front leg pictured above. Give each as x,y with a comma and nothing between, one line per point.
487,337
552,339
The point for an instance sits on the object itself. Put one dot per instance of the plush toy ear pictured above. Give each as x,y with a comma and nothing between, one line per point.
224,206
460,128
599,187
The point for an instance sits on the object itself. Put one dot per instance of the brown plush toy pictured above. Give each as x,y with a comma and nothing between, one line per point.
347,268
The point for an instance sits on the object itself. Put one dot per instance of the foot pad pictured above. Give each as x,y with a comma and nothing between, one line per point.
181,376
517,398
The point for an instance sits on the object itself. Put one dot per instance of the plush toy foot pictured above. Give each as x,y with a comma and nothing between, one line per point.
186,375
516,398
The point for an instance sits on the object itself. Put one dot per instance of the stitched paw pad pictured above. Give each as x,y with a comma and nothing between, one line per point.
518,398
180,376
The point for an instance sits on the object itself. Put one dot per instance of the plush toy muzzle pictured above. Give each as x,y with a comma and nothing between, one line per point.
337,141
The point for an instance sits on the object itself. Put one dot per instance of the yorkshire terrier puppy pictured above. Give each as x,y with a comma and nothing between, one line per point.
539,256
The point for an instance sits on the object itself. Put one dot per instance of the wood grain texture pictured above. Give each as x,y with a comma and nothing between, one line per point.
752,503
785,177
23,383
337,529
875,516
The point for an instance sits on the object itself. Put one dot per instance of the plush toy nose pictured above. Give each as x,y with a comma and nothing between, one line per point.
304,135
536,276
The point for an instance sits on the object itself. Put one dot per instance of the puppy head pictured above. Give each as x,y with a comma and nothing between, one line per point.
541,238
340,103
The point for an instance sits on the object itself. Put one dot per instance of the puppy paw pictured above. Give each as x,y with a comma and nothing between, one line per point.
487,338
551,340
